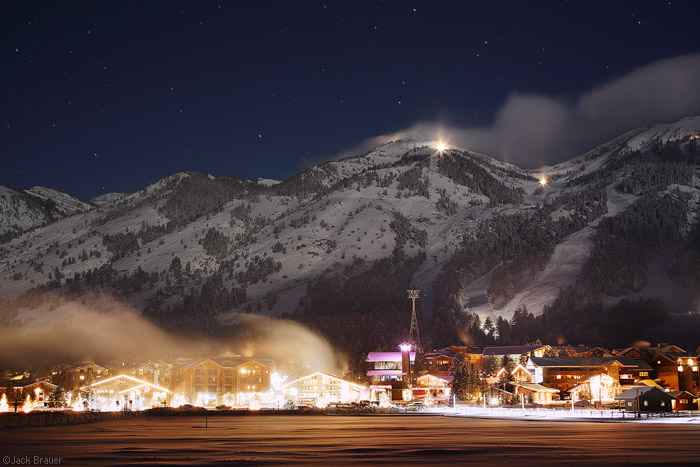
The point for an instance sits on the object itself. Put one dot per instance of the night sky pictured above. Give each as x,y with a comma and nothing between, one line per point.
109,96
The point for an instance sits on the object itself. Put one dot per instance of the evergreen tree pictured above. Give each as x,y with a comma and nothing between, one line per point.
460,377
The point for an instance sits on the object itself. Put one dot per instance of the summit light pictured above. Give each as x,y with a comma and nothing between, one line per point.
543,181
441,147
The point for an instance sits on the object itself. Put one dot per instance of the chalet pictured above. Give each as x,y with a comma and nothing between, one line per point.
319,389
565,373
645,399
125,392
71,377
670,365
519,374
534,393
596,388
39,392
439,362
437,386
683,400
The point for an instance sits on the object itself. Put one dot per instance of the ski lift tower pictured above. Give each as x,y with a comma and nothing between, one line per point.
414,332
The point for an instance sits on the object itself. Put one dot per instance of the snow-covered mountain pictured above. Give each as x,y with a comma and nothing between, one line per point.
21,211
342,240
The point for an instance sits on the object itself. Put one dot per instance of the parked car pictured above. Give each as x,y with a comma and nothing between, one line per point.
415,406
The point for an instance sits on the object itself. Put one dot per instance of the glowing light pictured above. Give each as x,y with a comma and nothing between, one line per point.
405,347
543,181
695,137
441,147
28,405
4,407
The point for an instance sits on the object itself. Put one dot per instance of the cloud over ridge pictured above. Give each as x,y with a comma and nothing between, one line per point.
531,130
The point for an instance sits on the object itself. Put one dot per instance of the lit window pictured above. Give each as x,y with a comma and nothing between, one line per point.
663,404
646,403
82,377
558,376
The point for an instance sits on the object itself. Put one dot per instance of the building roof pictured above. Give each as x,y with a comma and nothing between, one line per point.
677,394
535,387
78,366
136,381
328,375
387,357
632,394
511,349
587,362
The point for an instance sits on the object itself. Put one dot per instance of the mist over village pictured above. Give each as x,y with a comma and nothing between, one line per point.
320,234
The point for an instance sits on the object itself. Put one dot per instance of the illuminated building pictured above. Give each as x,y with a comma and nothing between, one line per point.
71,377
124,392
565,373
319,389
387,372
597,388
158,372
437,386
39,392
225,380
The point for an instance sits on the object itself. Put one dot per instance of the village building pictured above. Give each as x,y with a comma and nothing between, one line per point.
672,367
597,388
39,392
533,393
158,372
319,389
225,380
564,373
437,386
72,377
124,392
683,400
645,399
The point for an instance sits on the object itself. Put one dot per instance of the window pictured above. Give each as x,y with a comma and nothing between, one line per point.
643,373
663,404
558,376
646,403
683,401
82,377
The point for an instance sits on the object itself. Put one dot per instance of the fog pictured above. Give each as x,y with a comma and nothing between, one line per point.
112,330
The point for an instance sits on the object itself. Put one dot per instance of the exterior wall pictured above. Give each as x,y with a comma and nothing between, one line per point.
439,365
566,378
74,378
252,377
322,388
211,384
207,382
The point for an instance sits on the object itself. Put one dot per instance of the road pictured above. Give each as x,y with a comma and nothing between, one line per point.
353,440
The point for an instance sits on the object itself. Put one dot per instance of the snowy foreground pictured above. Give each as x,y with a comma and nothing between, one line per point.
553,415
347,440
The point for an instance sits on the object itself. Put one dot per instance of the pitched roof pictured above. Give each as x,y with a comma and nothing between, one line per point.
587,362
535,387
676,394
632,394
511,349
